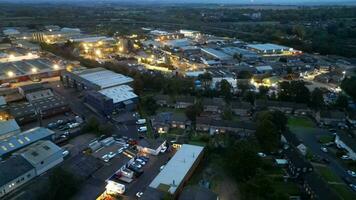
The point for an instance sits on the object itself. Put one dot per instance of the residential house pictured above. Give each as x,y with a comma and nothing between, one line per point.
241,108
346,142
297,165
184,101
213,126
163,100
283,106
162,122
331,117
288,138
314,187
213,105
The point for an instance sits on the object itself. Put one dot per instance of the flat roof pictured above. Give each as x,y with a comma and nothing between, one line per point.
2,101
39,151
25,67
8,126
12,168
177,168
119,93
23,139
216,53
104,78
92,39
267,47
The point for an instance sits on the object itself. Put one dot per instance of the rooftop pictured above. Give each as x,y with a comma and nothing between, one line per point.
119,93
12,168
92,39
217,53
104,78
23,139
8,126
39,151
268,47
2,101
177,168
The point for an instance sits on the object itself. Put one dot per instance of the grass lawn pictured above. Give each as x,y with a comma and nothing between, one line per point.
343,191
286,187
326,139
173,110
327,174
301,122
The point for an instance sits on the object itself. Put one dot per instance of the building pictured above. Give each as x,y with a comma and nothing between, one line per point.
270,49
23,139
190,33
112,99
42,155
346,142
178,169
212,126
8,128
94,79
213,105
23,113
211,53
35,91
242,109
163,122
3,102
290,139
150,146
283,106
184,101
197,193
50,106
314,187
331,117
14,172
297,165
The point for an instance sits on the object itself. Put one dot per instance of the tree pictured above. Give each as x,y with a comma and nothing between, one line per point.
317,99
149,105
62,185
263,91
267,133
348,85
206,79
193,111
92,125
242,87
280,120
242,161
342,102
294,91
244,75
250,97
227,114
225,89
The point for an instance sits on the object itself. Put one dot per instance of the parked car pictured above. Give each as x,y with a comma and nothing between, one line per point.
140,161
142,129
164,149
65,153
120,150
324,149
262,155
353,187
136,164
144,158
141,121
345,157
162,167
351,173
105,158
111,155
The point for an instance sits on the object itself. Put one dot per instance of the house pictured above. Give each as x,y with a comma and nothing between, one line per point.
150,146
8,128
213,126
14,172
330,117
213,105
162,122
163,100
42,155
197,193
297,165
241,108
288,138
346,142
184,101
283,106
314,187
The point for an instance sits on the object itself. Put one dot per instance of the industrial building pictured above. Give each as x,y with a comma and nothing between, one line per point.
93,79
24,70
20,140
178,170
8,128
216,54
268,49
14,172
42,155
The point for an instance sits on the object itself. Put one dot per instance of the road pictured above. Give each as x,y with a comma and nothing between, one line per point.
309,138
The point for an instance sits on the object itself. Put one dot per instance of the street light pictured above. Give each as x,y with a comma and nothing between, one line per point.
55,66
10,73
34,70
98,52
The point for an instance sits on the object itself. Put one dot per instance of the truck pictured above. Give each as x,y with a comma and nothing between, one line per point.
141,121
113,188
119,176
142,129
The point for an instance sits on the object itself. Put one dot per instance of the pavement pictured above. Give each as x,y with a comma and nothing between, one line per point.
309,138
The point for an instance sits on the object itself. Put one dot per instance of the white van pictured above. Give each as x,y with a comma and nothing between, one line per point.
141,121
142,129
113,188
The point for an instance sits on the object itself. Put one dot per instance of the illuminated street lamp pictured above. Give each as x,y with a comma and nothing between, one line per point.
55,66
121,49
10,74
98,52
34,70
11,56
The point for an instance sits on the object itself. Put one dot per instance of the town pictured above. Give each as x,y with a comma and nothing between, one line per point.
172,114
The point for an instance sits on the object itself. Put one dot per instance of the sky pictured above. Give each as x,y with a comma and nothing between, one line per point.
205,1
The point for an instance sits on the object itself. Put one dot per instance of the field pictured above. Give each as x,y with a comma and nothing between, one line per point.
300,122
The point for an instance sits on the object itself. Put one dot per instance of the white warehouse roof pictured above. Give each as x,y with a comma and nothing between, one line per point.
269,47
105,78
178,167
8,126
119,93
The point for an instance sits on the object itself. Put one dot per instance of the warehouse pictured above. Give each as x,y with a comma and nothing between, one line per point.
23,139
178,170
24,70
93,79
216,54
268,49
42,155
8,128
112,99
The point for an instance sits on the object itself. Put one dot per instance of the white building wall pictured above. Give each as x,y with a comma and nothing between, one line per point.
4,189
